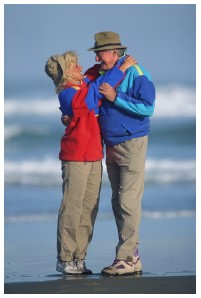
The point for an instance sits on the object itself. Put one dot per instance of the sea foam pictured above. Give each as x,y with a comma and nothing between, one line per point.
47,171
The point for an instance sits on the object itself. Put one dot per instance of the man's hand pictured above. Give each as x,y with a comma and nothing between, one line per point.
65,120
108,91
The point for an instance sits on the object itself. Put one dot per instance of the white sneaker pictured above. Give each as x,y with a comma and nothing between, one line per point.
81,265
67,267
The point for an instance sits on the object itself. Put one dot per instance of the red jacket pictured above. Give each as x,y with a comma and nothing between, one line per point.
82,139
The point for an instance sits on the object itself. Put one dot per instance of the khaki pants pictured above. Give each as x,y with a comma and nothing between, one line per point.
126,166
79,207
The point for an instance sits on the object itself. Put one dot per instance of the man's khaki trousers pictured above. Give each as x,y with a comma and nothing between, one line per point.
126,166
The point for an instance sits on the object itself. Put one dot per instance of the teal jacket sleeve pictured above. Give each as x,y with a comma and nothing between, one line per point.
136,94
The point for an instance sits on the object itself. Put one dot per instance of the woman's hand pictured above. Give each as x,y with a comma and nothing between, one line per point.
65,120
128,62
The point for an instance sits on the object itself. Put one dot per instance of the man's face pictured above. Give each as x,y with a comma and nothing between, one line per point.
107,58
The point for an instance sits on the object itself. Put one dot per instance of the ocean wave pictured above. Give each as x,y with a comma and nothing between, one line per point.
17,131
11,131
36,131
46,217
175,101
36,106
171,101
33,172
47,171
170,170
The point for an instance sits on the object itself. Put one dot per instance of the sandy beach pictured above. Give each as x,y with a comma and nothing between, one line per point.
30,259
108,285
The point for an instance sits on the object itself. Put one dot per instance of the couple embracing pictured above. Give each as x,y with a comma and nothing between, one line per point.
111,103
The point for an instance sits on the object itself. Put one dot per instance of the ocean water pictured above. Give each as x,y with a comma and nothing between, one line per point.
32,169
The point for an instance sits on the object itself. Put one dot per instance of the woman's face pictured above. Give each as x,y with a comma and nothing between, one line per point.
75,72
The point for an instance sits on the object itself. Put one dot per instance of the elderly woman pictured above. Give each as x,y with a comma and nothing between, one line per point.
81,155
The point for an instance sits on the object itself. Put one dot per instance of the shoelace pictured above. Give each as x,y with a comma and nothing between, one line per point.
82,263
117,261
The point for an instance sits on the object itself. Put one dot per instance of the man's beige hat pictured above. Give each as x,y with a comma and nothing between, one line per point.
107,41
55,68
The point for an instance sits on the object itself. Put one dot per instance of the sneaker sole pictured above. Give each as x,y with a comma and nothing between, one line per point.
123,274
70,273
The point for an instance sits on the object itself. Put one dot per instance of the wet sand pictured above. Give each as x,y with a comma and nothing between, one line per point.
108,285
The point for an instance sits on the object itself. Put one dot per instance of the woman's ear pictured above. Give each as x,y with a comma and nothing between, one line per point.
67,73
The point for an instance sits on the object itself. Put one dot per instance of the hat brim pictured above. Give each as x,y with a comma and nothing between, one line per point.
107,48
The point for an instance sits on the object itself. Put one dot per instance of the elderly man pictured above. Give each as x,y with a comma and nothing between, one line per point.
124,119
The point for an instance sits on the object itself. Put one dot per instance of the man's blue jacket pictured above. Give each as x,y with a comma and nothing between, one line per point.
128,116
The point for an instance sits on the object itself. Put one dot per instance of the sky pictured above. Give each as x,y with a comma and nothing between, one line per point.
162,37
